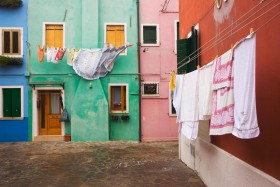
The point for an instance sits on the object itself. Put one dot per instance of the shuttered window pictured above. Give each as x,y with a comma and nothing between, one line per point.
118,98
11,102
54,35
115,35
149,34
11,42
187,51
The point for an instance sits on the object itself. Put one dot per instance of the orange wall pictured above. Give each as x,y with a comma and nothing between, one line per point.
262,152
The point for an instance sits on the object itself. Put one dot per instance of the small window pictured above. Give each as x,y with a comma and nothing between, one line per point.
11,99
172,111
11,42
115,35
150,35
54,35
118,98
150,89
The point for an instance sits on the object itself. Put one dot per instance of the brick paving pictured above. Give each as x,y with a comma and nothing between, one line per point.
94,164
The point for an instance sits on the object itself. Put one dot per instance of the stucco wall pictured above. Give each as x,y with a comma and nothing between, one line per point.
14,75
156,64
87,101
261,152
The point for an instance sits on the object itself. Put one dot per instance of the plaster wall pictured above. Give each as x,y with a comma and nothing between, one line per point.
236,17
156,64
14,75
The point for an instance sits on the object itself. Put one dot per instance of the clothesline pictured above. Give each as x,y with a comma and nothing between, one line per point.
228,34
208,93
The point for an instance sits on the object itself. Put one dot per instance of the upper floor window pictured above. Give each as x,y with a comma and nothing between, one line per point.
54,35
118,98
115,35
11,42
150,35
176,34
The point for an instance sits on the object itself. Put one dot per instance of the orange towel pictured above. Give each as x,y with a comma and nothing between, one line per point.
41,53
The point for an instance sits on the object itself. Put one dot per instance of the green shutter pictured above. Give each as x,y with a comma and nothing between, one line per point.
7,102
188,48
183,51
16,102
150,34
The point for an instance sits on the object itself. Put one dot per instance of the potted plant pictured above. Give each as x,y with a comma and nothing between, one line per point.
125,117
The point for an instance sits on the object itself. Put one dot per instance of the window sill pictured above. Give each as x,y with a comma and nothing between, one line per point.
11,118
172,115
119,112
150,45
150,95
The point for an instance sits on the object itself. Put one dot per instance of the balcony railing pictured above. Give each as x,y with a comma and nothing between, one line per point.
11,3
10,61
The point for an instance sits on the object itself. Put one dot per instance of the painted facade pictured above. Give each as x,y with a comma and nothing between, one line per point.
158,35
85,25
13,81
221,160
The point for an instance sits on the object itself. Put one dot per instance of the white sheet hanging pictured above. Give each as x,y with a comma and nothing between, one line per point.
205,91
245,114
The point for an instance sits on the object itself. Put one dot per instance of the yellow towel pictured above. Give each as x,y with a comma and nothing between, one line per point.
172,83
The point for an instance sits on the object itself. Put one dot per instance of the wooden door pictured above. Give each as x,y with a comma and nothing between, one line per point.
49,112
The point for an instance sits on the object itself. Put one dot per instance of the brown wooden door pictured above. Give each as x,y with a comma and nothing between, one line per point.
49,112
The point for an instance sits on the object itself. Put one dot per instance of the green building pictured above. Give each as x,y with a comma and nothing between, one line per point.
102,109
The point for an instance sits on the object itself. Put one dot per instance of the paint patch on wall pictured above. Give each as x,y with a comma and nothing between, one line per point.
222,13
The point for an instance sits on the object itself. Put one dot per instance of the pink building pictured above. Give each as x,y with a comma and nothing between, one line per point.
159,22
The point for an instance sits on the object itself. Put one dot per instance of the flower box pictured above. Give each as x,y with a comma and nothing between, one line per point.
11,3
4,60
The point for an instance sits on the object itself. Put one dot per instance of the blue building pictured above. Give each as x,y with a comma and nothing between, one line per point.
13,66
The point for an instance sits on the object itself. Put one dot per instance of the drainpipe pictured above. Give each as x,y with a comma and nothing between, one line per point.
139,67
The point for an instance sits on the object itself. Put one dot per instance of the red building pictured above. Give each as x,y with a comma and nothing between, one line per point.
226,160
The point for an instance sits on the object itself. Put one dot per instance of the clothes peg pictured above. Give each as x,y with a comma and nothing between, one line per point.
251,30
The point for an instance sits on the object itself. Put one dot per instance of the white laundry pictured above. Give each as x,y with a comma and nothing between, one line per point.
205,91
245,113
178,95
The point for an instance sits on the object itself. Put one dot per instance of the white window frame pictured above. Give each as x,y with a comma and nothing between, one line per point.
175,35
150,95
142,35
44,31
127,98
125,34
21,103
21,40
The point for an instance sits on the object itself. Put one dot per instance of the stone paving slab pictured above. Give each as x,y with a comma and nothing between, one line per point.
94,164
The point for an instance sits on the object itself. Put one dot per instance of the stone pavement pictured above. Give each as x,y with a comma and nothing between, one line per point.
94,164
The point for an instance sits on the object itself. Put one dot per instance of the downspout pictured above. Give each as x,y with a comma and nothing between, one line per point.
139,67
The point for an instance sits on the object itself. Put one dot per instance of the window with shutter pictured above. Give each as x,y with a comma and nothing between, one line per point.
115,35
150,35
11,102
54,35
187,53
11,42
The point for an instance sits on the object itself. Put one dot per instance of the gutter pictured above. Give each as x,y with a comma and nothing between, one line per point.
139,67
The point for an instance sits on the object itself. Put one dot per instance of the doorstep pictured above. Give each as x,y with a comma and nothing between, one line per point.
49,138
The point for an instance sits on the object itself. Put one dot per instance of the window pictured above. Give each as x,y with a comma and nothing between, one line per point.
150,35
115,35
188,50
150,89
54,35
172,111
11,42
11,102
118,98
